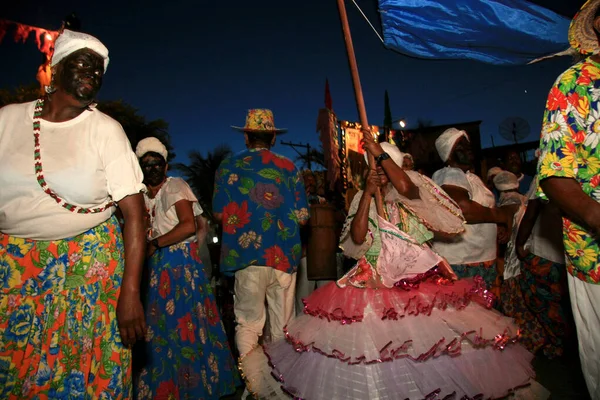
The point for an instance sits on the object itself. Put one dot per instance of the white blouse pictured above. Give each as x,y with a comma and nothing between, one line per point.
478,242
87,161
163,216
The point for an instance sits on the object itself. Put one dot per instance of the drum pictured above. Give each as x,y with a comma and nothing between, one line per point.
321,262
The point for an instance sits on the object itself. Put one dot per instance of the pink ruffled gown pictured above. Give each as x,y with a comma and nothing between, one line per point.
393,327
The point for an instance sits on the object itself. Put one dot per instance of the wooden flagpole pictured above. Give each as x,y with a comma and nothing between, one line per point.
360,101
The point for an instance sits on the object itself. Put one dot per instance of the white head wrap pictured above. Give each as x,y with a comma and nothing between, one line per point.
69,42
493,171
395,154
446,141
151,144
506,180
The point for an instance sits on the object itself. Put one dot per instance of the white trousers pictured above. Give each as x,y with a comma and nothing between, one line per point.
254,286
304,287
585,302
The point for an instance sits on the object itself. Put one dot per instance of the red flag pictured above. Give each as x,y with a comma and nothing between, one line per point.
328,102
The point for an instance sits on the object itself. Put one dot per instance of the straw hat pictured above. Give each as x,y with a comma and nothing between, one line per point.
582,35
259,120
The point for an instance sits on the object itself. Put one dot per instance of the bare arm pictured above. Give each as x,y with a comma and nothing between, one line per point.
400,180
568,196
395,173
185,228
534,207
130,313
473,212
360,223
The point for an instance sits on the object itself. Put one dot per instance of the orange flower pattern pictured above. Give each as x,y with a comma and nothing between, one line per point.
58,327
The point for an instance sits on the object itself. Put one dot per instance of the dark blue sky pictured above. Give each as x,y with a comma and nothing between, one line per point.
201,64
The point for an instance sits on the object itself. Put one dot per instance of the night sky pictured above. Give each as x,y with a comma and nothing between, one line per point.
200,65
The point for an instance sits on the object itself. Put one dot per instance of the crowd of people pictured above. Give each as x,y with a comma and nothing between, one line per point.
442,287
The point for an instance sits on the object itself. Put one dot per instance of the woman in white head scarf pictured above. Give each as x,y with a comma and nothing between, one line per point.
69,280
474,252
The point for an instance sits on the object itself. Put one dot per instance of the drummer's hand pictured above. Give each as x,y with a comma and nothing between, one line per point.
369,144
374,182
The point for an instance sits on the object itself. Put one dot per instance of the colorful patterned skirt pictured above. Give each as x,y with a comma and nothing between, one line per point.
486,269
537,300
58,328
186,355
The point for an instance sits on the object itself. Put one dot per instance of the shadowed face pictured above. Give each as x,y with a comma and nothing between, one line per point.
462,152
513,163
80,75
154,168
310,183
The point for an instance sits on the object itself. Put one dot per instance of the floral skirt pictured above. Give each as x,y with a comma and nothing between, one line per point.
538,300
486,269
186,354
58,328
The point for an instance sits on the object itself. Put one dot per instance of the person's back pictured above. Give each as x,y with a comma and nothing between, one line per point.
258,192
260,200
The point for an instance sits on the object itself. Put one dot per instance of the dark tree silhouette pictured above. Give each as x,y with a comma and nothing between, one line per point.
200,174
315,157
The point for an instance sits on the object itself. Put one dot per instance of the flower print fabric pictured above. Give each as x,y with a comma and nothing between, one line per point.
58,327
261,197
569,149
186,353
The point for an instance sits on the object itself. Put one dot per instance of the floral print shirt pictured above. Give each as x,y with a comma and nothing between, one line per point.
262,200
569,149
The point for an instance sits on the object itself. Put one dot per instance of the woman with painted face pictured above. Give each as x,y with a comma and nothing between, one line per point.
474,251
70,303
186,353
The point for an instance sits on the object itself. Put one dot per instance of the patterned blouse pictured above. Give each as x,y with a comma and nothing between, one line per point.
262,198
569,149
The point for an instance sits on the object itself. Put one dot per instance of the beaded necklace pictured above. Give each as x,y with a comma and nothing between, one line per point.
39,171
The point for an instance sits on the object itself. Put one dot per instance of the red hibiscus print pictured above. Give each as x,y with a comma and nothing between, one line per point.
275,258
167,391
578,137
187,328
212,313
594,275
280,162
164,285
556,99
235,216
595,181
584,79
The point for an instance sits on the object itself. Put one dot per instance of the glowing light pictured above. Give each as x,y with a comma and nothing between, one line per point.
215,239
402,124
48,36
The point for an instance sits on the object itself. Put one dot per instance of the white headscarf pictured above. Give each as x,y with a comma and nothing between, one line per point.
69,42
151,144
446,141
506,180
395,154
493,172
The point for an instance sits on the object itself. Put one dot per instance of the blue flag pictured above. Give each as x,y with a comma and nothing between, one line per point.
501,32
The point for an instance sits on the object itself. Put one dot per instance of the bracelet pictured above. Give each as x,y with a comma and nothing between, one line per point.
382,157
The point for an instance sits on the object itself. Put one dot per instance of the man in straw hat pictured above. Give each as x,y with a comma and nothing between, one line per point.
569,174
261,202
